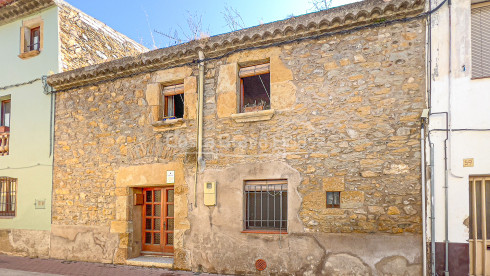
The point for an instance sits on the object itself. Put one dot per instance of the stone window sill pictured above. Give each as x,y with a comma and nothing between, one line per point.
265,232
29,54
168,124
254,116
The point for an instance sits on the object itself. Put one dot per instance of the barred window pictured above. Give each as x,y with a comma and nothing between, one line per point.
8,189
266,204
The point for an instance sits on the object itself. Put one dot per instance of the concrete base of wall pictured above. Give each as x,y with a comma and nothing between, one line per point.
310,254
27,243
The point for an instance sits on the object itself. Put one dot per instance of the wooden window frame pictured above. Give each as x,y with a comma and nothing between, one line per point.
3,127
277,185
334,204
171,91
32,46
8,183
250,71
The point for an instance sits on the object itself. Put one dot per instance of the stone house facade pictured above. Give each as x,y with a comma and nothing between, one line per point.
38,38
312,168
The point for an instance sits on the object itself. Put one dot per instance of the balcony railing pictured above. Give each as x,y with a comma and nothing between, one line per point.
4,143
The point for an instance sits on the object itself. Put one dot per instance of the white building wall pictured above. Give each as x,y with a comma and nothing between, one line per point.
468,104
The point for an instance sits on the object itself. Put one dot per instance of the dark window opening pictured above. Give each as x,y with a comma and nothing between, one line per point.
255,88
333,199
8,188
173,105
266,205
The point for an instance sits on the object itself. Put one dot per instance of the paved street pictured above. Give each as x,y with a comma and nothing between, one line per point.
20,266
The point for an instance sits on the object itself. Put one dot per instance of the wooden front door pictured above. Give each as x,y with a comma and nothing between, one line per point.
479,225
158,220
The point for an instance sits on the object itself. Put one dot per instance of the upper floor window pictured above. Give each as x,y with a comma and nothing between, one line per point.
4,116
31,35
8,189
34,40
255,88
480,37
173,101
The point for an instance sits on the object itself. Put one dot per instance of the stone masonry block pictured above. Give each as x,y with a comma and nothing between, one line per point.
333,184
153,93
351,199
118,226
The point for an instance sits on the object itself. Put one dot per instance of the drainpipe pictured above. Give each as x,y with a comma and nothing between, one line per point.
422,168
200,106
446,187
432,213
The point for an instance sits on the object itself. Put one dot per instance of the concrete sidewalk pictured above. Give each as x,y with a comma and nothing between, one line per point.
17,266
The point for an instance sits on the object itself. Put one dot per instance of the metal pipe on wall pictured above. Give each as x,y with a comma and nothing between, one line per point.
422,168
432,213
200,106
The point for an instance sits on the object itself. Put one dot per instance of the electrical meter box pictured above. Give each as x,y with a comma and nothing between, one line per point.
209,193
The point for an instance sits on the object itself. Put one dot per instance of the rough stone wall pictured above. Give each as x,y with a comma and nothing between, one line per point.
346,118
86,41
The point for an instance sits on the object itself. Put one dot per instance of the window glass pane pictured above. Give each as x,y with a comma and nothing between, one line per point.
156,224
156,238
157,209
149,196
170,224
148,210
179,106
148,237
170,195
148,224
170,106
170,210
170,238
158,196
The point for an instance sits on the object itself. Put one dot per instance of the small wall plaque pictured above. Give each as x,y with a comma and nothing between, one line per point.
170,177
468,162
40,203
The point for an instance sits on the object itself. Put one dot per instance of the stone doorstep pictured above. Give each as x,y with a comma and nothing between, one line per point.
152,261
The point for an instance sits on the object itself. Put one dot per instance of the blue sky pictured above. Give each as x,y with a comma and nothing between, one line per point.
141,20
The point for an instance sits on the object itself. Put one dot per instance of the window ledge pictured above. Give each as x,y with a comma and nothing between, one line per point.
168,124
29,54
265,232
254,116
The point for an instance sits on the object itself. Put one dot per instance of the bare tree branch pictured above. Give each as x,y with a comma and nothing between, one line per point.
233,19
320,5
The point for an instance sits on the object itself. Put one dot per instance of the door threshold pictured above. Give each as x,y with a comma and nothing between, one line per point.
152,261
156,254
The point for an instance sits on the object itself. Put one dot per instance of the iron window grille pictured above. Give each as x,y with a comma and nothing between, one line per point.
8,189
266,205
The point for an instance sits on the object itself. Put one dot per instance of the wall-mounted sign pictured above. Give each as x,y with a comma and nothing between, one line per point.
170,177
40,203
468,162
